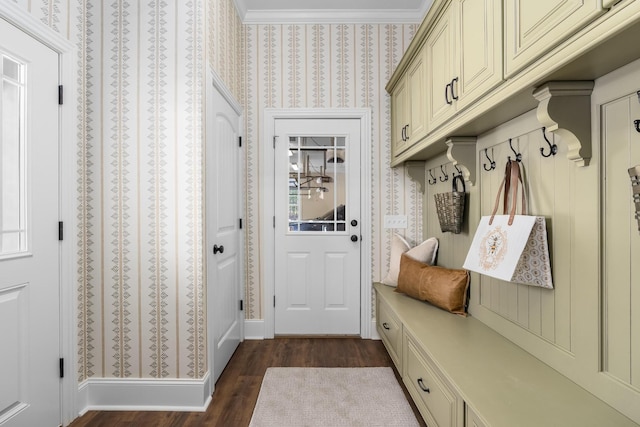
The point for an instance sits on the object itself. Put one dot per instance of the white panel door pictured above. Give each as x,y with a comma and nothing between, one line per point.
317,226
223,234
29,246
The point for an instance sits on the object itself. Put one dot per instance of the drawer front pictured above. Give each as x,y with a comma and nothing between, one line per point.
429,391
390,330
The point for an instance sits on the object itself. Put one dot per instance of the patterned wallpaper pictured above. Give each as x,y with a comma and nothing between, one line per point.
141,296
326,66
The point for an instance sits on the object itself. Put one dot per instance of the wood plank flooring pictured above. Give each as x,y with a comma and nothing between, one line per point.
237,389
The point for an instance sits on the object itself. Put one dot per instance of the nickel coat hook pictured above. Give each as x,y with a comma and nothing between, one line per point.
552,147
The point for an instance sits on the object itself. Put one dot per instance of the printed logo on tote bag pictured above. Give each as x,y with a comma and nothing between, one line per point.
493,248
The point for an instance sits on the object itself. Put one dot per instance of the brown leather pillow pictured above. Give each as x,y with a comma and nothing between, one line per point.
442,287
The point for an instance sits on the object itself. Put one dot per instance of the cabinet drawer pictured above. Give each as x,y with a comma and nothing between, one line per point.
437,403
390,330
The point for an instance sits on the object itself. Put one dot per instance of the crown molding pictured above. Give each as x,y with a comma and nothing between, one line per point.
333,16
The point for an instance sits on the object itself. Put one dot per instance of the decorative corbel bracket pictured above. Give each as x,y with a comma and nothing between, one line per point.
565,109
462,152
417,173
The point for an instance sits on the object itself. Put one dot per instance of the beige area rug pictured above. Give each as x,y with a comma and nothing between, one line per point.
331,397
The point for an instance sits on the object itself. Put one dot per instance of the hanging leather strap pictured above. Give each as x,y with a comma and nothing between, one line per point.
516,176
503,186
512,177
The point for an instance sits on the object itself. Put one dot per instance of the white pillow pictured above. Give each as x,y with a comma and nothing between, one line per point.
398,247
425,252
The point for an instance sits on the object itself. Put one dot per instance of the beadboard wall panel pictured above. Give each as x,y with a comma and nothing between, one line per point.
452,249
621,246
549,191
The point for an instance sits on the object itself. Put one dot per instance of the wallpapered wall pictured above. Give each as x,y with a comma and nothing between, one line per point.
326,66
141,302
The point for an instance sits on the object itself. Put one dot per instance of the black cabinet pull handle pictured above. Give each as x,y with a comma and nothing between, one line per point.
217,249
386,326
453,94
422,386
354,238
446,94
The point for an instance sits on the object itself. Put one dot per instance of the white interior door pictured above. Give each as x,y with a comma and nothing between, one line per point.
29,246
317,226
223,233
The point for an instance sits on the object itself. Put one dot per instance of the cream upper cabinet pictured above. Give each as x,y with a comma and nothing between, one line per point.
399,121
464,56
409,120
533,27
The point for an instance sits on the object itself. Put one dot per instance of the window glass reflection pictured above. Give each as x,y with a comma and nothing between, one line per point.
317,187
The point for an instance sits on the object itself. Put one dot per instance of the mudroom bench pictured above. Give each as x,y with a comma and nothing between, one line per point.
461,373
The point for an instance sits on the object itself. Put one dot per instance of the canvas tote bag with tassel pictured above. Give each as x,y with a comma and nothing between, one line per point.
511,247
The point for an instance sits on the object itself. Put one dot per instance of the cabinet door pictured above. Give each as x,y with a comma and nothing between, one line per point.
471,418
479,49
534,27
417,94
399,120
440,68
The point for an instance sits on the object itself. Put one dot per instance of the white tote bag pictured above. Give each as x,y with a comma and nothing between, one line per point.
511,247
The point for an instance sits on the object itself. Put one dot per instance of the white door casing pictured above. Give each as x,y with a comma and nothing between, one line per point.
29,247
224,236
268,208
317,261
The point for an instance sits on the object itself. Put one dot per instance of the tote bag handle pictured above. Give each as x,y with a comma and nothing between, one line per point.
512,175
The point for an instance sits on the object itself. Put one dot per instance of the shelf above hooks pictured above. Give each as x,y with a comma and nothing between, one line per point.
564,108
462,153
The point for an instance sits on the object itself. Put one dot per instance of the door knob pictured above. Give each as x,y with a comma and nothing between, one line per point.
217,249
354,238
354,222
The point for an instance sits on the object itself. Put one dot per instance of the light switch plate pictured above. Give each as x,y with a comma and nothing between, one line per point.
395,221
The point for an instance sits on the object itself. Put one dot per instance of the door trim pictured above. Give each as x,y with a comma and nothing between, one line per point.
67,148
267,234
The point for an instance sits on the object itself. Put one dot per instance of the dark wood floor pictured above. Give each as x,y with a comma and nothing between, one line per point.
237,389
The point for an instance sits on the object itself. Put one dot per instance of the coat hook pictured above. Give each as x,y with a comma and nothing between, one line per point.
637,123
552,147
433,179
444,176
457,169
518,155
491,162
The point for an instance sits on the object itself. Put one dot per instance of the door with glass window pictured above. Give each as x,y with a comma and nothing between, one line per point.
29,246
317,227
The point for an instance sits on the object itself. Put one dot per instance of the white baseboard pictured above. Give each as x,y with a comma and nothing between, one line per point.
254,329
374,331
113,394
